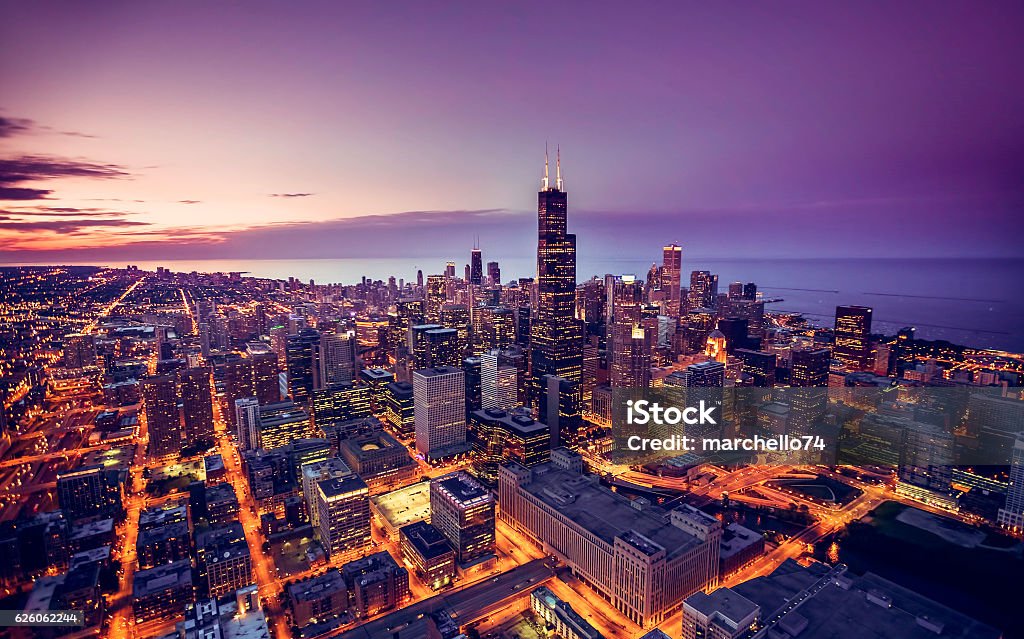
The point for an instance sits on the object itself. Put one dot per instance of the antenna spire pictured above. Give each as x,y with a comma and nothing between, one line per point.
558,167
545,184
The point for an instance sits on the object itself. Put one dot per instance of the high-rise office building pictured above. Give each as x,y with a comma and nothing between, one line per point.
1012,514
493,327
498,382
339,403
500,436
671,279
338,357
703,290
494,273
196,404
560,410
343,505
436,294
750,291
283,423
853,337
399,408
705,375
809,367
759,365
472,369
457,316
449,269
476,267
90,491
302,353
556,336
463,511
160,399
440,405
247,423
432,345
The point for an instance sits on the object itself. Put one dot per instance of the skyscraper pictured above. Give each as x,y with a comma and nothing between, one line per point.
498,382
809,367
303,371
437,291
671,282
476,267
196,403
557,338
160,399
494,273
247,423
703,290
853,337
440,411
339,357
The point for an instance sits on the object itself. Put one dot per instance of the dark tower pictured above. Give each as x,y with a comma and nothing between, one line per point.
476,267
557,338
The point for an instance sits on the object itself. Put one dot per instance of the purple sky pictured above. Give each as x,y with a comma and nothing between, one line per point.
188,130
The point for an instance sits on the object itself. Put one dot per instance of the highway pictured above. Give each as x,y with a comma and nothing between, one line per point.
468,603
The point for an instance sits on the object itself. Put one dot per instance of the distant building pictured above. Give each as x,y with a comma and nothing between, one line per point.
160,400
853,337
196,404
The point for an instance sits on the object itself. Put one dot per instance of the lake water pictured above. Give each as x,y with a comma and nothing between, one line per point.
977,302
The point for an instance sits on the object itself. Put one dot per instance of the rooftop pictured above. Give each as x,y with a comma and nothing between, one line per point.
843,606
605,513
405,505
461,486
427,540
170,576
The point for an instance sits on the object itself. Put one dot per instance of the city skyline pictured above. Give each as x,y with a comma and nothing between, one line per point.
148,135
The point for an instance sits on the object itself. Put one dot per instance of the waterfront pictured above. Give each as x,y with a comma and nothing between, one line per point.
975,302
977,579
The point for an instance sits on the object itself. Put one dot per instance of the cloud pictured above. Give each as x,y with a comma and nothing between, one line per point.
64,211
10,127
14,172
290,195
18,193
190,201
64,226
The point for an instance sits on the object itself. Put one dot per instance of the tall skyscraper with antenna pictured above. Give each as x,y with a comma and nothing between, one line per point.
476,265
557,338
